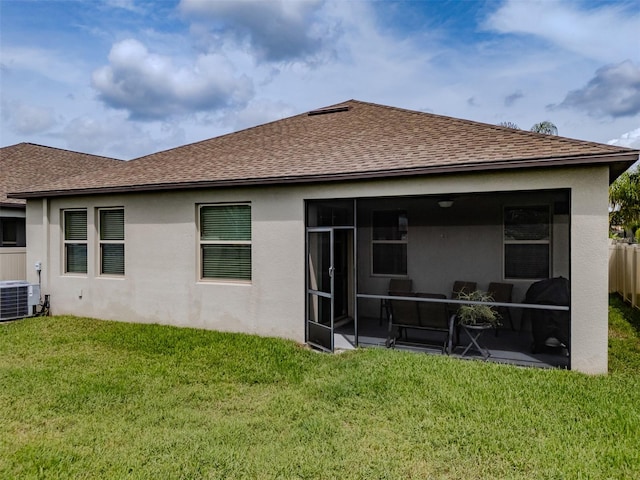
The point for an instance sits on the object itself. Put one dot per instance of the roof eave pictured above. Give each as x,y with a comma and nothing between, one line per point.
622,160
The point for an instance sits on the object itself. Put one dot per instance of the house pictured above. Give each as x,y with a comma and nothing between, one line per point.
23,166
284,229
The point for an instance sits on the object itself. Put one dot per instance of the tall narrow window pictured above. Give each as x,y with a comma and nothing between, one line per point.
75,241
527,242
389,242
111,226
225,242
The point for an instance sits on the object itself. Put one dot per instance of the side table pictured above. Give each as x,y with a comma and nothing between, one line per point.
475,332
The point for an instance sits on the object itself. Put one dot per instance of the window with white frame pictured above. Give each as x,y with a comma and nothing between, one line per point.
111,238
389,241
527,242
225,241
75,241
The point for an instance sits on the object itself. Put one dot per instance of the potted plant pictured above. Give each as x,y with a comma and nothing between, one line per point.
476,315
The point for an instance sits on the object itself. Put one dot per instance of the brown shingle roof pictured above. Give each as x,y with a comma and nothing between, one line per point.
351,140
25,165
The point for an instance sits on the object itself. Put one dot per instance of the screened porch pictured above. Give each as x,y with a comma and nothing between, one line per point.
358,249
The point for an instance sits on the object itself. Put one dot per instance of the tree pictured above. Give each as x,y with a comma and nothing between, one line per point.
624,200
546,127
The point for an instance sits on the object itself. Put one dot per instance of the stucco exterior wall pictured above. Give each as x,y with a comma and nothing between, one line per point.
161,283
590,269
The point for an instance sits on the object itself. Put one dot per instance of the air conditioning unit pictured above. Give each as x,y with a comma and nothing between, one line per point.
15,299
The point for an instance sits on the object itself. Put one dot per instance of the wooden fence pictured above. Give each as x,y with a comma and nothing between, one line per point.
624,271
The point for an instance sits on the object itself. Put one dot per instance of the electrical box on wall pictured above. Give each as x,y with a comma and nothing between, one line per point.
33,296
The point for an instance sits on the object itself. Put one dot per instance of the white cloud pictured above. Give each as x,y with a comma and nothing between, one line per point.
153,86
128,5
257,113
630,139
274,31
606,33
118,137
208,69
44,62
27,119
614,91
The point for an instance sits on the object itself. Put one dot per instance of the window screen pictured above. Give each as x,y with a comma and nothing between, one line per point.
225,241
75,241
112,241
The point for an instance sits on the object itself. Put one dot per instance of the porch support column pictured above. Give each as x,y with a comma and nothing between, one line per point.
589,271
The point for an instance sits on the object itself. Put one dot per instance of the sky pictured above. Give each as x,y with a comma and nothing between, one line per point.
126,78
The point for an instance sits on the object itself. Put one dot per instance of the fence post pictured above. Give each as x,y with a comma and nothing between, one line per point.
619,269
634,276
624,269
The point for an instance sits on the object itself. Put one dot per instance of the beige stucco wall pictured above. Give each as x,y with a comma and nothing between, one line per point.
161,283
161,256
589,268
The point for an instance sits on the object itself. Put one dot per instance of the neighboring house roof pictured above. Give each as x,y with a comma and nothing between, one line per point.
350,140
25,165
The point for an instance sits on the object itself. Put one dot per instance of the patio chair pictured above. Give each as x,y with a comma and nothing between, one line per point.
434,316
407,315
501,292
460,286
397,286
402,314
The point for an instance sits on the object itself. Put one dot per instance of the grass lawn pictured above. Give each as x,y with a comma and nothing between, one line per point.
81,398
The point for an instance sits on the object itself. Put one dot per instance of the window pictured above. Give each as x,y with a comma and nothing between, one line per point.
225,241
389,242
75,241
12,232
9,232
527,242
111,225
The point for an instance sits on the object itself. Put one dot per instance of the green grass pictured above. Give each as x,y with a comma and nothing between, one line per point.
82,398
624,337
